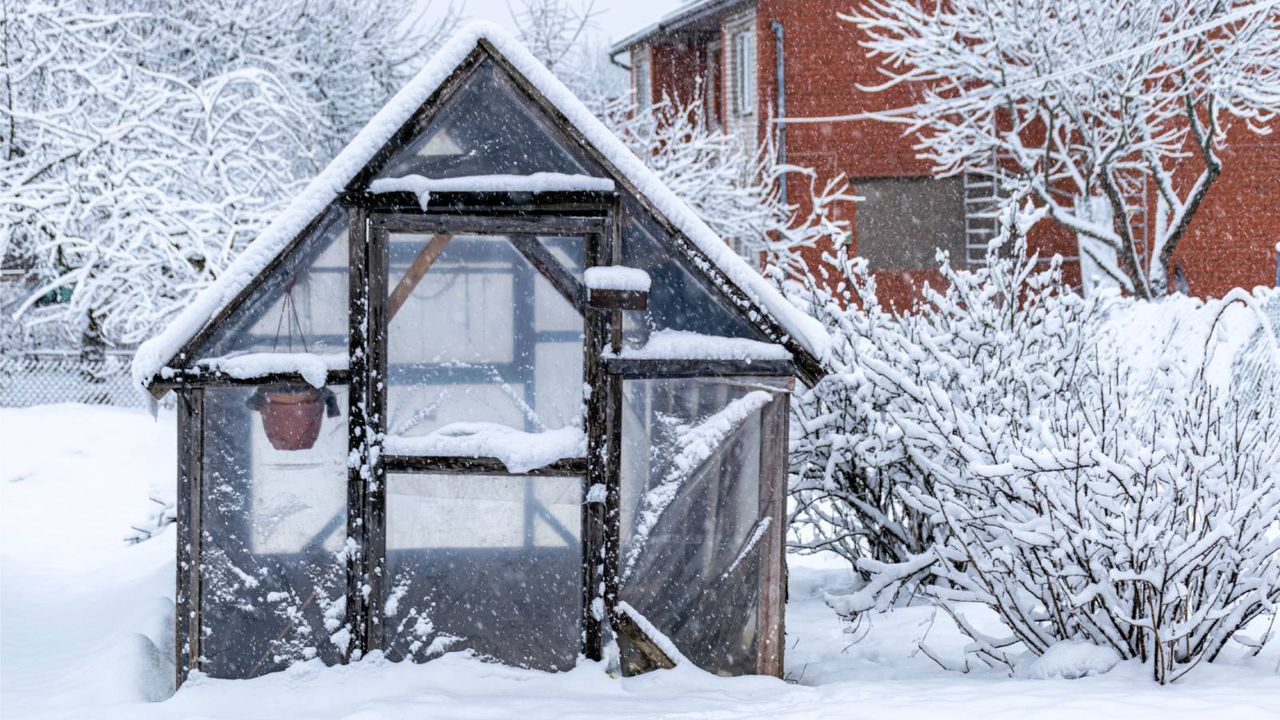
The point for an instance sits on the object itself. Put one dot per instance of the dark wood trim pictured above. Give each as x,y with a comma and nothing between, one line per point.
552,269
357,430
182,378
582,202
376,419
594,540
654,368
190,407
627,627
444,465
617,299
771,619
613,429
417,222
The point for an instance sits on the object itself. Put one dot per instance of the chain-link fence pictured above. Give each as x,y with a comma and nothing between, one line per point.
40,377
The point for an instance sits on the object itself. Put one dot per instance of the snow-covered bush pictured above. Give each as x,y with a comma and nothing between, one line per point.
1001,445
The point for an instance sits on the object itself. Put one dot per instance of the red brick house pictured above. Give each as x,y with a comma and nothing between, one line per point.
733,53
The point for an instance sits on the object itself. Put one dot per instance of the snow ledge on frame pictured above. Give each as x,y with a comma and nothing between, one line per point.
520,451
684,345
541,182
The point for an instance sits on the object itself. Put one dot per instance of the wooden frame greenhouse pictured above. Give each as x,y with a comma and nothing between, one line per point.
487,386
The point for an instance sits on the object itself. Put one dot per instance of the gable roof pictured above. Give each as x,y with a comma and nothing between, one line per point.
804,333
690,15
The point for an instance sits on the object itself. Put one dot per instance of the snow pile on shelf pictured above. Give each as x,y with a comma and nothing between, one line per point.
541,182
312,367
617,277
158,351
684,345
519,451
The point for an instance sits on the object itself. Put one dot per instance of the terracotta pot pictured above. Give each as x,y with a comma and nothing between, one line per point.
291,416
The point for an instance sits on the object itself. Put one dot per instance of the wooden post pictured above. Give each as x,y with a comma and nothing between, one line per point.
190,404
357,428
594,552
375,533
773,499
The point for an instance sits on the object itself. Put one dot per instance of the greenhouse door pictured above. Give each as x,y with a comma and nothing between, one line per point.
474,492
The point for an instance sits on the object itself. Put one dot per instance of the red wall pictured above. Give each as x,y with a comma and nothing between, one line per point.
1231,242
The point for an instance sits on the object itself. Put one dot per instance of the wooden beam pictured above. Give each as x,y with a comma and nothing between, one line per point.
190,406
771,618
357,429
656,368
550,268
627,627
459,224
183,378
375,516
445,465
417,270
617,299
594,543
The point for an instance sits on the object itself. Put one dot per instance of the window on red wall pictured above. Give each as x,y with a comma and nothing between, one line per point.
640,77
902,222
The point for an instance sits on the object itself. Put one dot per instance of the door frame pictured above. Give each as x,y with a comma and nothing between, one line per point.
369,228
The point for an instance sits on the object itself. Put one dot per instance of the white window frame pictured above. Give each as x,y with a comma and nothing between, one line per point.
744,75
642,79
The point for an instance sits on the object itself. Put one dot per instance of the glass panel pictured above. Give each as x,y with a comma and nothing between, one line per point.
691,516
273,577
489,564
680,297
299,307
489,127
483,336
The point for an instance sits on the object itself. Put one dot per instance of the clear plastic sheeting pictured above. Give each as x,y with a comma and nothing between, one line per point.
484,563
300,306
681,297
694,520
490,127
482,337
273,526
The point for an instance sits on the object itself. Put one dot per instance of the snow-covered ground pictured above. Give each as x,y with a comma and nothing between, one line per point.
85,621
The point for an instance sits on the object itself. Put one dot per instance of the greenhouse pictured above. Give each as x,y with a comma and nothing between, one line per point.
486,385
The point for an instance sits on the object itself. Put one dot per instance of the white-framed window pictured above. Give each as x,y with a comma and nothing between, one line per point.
744,73
640,78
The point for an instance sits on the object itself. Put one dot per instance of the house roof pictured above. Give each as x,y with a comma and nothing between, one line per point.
686,17
160,351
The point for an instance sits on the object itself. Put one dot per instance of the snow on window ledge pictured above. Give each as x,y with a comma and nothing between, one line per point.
313,368
520,451
540,182
683,345
617,277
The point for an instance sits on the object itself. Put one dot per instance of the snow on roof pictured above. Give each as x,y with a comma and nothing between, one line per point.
321,191
687,14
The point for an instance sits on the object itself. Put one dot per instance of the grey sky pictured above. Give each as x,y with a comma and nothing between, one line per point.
617,18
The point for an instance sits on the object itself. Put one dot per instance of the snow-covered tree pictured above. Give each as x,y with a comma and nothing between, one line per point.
1100,108
146,141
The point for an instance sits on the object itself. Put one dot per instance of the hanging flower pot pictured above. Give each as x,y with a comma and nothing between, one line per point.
293,413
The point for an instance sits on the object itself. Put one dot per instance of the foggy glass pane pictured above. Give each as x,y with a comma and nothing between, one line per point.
691,516
902,222
273,578
489,127
483,336
301,306
680,297
484,563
